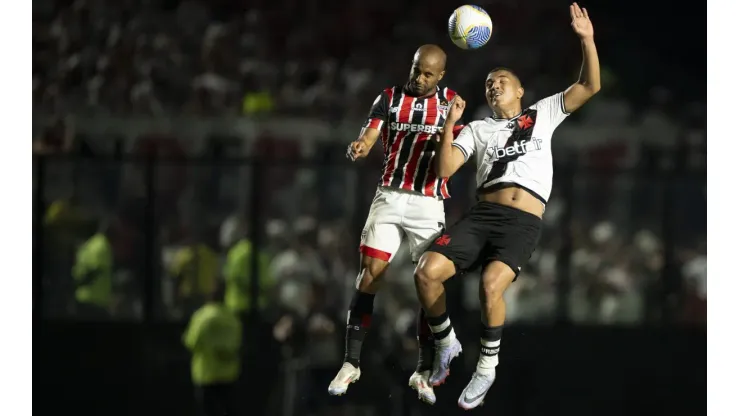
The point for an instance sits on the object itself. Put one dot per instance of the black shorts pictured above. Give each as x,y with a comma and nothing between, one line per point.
490,232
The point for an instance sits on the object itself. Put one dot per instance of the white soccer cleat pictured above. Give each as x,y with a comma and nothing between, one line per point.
347,375
476,390
420,383
443,356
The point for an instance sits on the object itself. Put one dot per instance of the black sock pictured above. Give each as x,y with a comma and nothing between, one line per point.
490,342
441,326
360,316
426,342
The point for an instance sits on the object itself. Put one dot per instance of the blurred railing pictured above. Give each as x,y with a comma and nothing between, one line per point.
621,247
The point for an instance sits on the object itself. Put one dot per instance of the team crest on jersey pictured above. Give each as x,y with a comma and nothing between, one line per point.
443,107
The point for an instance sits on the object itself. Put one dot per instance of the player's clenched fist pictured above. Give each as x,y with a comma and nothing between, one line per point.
457,106
357,150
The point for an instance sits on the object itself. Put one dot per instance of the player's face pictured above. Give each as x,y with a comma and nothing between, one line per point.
424,77
502,89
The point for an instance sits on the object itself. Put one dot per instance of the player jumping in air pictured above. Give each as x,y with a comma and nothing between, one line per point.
512,150
408,203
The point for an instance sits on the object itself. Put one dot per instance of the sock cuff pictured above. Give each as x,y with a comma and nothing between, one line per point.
491,333
489,344
438,320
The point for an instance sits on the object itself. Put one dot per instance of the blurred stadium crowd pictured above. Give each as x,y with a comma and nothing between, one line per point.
134,60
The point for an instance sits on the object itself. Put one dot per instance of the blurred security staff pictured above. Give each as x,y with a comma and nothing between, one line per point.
238,271
92,274
214,337
194,268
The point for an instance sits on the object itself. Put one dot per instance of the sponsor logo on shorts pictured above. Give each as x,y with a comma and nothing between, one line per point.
443,240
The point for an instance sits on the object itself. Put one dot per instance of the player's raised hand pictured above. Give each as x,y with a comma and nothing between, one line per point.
356,150
580,22
457,106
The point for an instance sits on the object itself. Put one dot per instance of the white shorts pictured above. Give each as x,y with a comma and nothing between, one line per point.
396,213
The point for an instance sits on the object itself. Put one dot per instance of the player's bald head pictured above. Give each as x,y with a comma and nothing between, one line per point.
432,56
427,69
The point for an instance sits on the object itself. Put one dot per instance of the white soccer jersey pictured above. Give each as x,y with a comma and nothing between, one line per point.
516,150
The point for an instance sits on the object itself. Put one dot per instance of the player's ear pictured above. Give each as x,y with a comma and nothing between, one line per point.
520,92
441,75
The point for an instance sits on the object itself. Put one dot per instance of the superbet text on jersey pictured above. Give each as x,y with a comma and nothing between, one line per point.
408,125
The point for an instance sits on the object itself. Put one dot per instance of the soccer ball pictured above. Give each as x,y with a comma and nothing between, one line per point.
469,27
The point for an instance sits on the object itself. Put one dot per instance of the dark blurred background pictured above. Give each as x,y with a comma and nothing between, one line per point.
179,143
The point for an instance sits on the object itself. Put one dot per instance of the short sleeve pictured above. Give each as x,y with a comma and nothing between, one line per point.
551,109
465,141
378,112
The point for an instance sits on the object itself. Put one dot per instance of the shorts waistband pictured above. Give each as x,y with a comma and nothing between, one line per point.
516,211
407,192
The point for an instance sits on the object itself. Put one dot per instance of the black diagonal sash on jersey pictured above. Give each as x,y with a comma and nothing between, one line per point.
417,117
520,135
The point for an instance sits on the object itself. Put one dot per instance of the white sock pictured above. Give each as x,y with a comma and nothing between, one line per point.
488,359
447,339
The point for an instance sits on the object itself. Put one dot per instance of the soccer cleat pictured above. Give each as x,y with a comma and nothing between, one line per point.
420,383
347,374
476,390
443,356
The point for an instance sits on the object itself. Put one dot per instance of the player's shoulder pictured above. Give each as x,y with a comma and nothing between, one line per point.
476,126
388,92
548,100
446,92
477,123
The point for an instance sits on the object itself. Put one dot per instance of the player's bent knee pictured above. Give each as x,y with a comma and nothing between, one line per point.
496,279
433,268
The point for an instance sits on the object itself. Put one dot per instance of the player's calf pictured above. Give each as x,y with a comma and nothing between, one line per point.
429,277
496,278
419,380
431,273
359,318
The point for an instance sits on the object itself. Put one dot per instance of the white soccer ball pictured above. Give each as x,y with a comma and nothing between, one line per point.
469,27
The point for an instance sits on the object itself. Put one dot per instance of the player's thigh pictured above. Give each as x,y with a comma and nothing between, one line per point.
513,241
462,244
423,228
379,244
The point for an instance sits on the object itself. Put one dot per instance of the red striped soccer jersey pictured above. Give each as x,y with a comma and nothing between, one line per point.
407,127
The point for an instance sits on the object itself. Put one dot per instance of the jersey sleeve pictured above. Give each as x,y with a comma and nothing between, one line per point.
378,112
465,141
552,109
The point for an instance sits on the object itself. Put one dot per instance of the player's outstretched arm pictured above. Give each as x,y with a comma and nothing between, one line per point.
371,130
361,147
449,158
589,82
